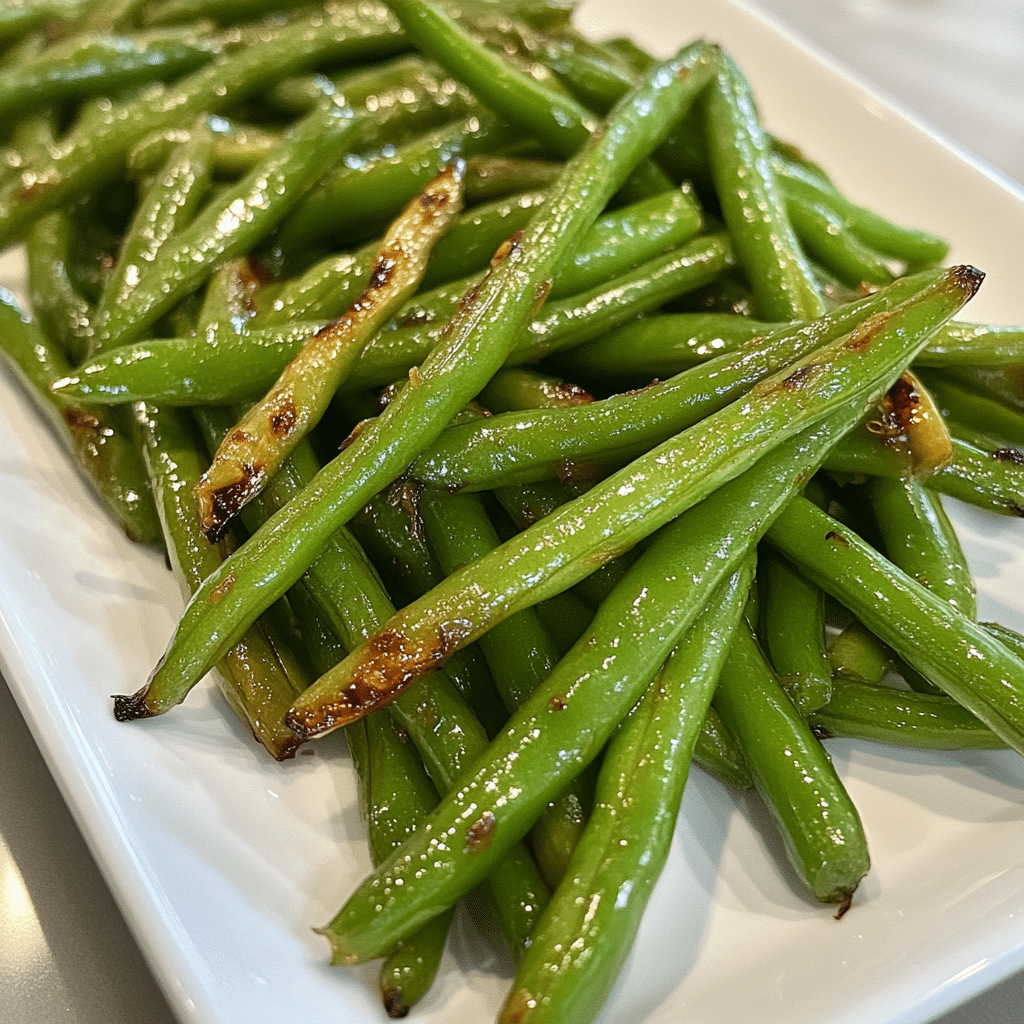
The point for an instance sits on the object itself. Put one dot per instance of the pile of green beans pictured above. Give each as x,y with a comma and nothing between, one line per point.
608,436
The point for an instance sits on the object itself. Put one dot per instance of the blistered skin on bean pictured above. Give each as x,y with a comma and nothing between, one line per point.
655,488
394,661
251,453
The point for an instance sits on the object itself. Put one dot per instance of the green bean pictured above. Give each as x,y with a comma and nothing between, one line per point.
213,367
991,479
919,538
231,224
171,12
94,155
628,237
752,205
517,448
518,650
100,439
262,439
399,97
390,529
397,794
629,505
495,176
102,64
596,73
169,205
527,504
365,193
589,926
914,247
660,345
445,730
856,653
974,344
1008,637
520,388
543,112
1004,383
20,17
926,631
246,459
62,312
601,82
227,366
476,344
885,714
821,830
718,754
565,722
976,410
327,288
567,322
792,626
520,654
387,764
470,242
565,617
111,15
259,677
827,240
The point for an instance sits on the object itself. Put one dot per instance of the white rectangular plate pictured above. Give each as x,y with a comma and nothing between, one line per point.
222,862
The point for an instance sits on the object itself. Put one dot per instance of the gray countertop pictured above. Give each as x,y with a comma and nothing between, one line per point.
66,954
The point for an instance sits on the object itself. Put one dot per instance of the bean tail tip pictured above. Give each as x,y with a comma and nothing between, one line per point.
844,905
394,1005
132,707
968,279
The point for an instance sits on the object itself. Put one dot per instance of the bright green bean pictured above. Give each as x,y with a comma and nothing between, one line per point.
259,677
93,155
476,344
919,538
537,108
792,627
631,504
588,927
445,730
926,631
230,224
752,205
568,718
524,447
520,654
820,827
251,452
103,64
101,440
168,206
989,478
885,714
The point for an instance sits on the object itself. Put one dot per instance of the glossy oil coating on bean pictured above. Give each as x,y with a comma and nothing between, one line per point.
91,157
561,727
925,630
628,506
476,344
262,439
589,926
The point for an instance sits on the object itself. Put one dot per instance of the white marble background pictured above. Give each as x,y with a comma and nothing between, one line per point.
66,956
